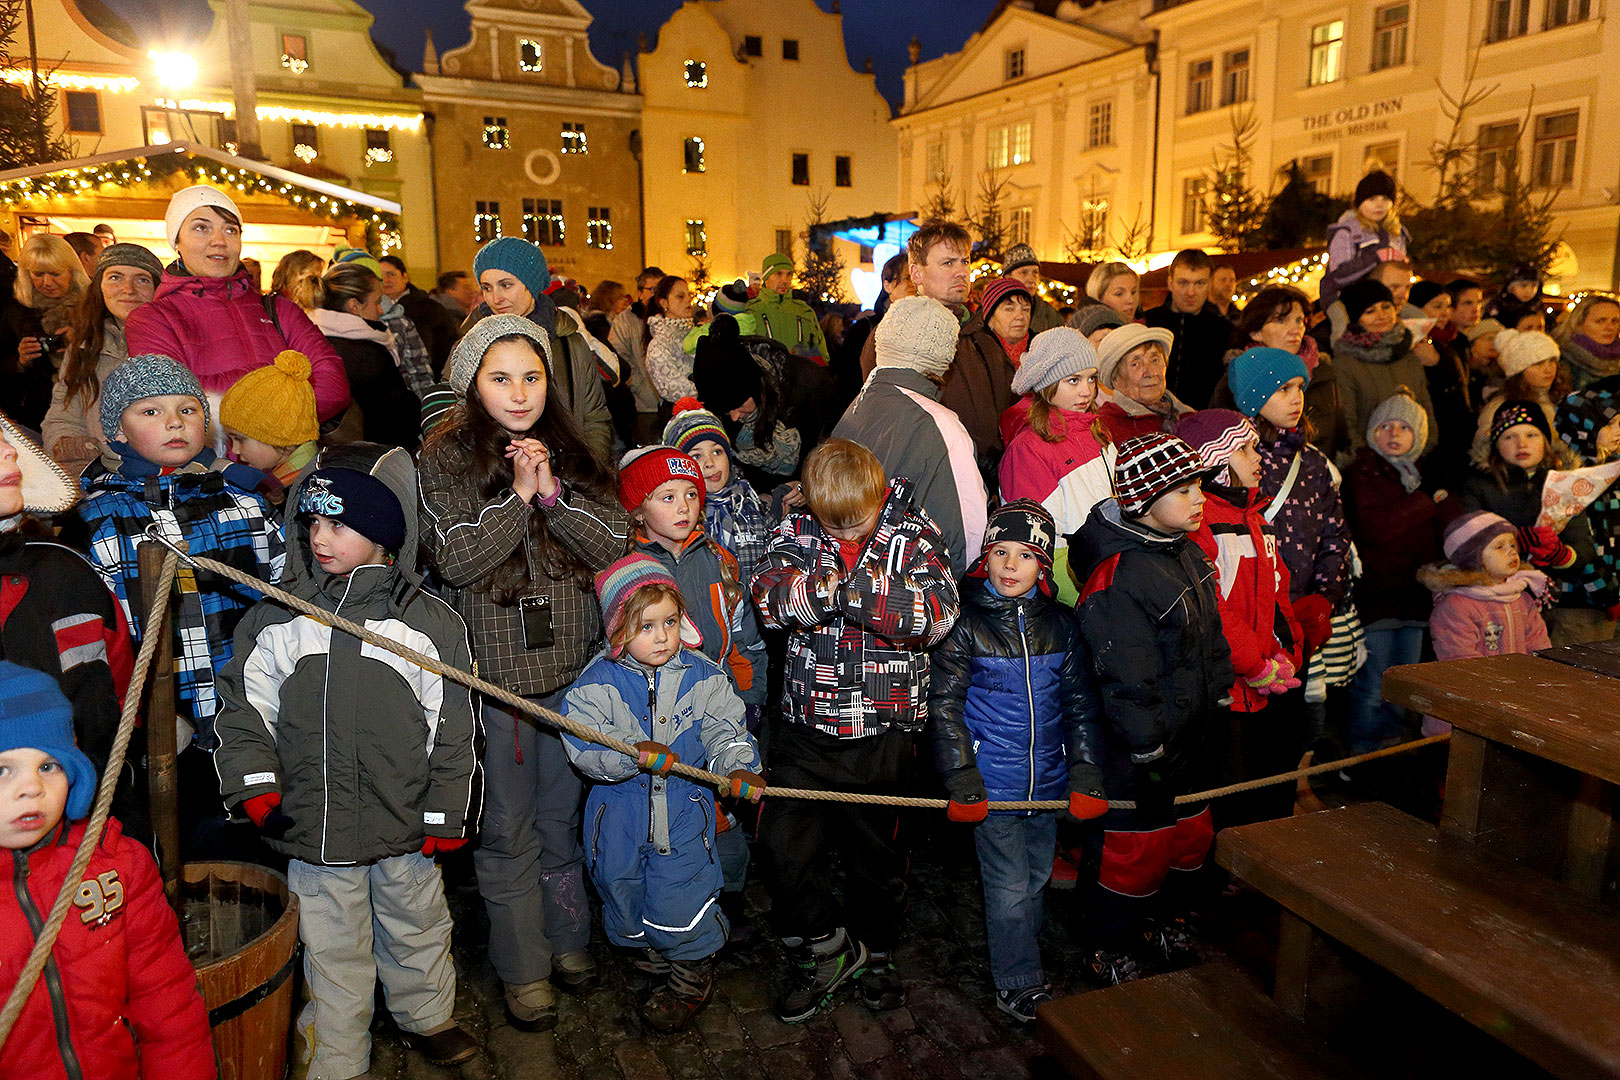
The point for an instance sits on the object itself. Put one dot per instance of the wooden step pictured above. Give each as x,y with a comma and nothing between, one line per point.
1204,1023
1509,950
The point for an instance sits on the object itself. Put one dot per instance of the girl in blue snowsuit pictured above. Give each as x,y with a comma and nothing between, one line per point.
649,836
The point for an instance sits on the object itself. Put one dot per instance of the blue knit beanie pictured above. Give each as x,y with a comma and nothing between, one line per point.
144,376
1257,374
35,714
517,257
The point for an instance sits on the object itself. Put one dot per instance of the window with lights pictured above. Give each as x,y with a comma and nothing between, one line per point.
497,136
306,142
379,146
697,240
599,228
295,53
486,221
697,74
573,139
530,56
692,153
543,222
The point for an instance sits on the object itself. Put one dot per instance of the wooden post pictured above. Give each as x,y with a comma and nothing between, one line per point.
162,780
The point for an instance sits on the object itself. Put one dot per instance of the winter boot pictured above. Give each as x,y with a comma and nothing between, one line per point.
1109,968
880,985
448,1046
672,1006
819,968
532,1006
574,971
1168,945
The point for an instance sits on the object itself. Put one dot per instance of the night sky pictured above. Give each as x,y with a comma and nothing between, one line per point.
876,28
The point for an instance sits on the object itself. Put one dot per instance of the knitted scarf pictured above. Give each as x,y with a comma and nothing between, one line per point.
1508,589
1597,360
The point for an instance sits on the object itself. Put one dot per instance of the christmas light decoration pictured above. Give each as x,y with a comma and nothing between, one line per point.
69,80
531,57
697,74
294,115
1303,274
304,152
295,64
382,228
496,136
379,155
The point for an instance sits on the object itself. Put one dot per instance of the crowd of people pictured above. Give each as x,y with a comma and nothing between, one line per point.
970,543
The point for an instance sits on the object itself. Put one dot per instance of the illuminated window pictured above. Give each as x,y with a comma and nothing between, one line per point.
697,240
841,176
1013,64
1099,124
573,139
1385,156
1389,35
697,74
693,153
83,111
486,221
1093,231
801,170
1020,221
530,57
1327,52
295,53
543,222
1010,144
1200,86
496,134
306,142
1193,191
599,229
379,146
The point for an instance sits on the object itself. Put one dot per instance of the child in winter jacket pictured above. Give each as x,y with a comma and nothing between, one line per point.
662,490
1486,601
1398,522
1522,452
269,421
1269,387
734,516
1589,423
1373,356
1061,455
118,997
1150,615
358,765
863,584
1015,710
651,837
1365,235
1261,731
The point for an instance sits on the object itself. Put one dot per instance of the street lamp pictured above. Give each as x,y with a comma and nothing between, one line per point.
174,70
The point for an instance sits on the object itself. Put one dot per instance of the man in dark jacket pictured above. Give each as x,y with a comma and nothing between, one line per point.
439,328
1149,614
1202,334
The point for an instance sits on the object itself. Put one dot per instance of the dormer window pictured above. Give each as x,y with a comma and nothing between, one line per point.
530,57
697,74
295,53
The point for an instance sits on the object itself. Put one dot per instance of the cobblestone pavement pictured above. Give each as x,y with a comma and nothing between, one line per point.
950,1026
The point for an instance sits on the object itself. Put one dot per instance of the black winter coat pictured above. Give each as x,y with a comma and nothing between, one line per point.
1013,694
1196,357
439,328
1150,616
1396,531
392,414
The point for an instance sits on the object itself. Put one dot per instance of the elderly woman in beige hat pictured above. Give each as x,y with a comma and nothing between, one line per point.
1132,362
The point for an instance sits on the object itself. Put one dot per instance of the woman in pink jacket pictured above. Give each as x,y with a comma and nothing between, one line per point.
210,316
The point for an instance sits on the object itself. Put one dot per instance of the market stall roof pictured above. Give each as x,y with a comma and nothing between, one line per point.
219,157
872,229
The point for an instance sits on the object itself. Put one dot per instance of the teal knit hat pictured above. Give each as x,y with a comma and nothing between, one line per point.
517,257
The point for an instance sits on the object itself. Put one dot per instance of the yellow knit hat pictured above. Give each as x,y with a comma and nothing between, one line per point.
274,404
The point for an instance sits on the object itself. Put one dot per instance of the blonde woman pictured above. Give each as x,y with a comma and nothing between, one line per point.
50,283
1114,284
1587,339
298,277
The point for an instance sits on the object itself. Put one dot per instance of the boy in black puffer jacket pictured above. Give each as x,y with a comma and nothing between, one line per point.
1015,713
1149,615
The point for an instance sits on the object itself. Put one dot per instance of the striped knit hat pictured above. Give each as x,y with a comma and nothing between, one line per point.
1467,538
1150,465
692,424
1216,434
643,469
619,582
1000,290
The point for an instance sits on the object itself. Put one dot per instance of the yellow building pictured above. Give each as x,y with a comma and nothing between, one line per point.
751,111
533,137
1074,122
330,107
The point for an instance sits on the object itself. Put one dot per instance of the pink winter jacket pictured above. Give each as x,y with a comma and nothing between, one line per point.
218,327
1466,626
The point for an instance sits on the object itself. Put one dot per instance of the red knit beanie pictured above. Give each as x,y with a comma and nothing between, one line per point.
642,470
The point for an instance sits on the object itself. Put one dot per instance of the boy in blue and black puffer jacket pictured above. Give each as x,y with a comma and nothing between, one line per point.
1015,711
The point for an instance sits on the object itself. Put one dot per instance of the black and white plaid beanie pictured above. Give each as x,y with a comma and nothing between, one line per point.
1150,465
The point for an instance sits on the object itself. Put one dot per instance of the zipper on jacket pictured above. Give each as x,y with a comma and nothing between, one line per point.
53,975
1029,692
652,708
596,835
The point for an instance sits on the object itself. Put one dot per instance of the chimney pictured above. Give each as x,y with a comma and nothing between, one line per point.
430,56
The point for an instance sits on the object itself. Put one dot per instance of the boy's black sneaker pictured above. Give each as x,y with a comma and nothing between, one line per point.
819,968
1021,1004
1170,945
1106,968
879,984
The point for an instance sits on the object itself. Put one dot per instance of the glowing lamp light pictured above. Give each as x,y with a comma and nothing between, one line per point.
868,284
176,70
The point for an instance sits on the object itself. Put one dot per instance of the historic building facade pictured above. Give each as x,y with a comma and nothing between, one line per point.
534,137
752,112
1336,87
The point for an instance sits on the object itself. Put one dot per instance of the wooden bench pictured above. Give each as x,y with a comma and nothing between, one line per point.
1510,950
1204,1023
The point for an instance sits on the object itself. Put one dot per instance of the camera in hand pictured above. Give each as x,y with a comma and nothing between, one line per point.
51,342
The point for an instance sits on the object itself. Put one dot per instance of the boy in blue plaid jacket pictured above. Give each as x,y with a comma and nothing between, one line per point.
160,471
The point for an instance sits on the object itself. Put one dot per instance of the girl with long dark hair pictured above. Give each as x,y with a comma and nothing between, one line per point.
519,514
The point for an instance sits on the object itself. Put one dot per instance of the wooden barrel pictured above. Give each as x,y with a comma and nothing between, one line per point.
241,932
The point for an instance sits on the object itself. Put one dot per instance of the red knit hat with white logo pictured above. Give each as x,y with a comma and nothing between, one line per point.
643,469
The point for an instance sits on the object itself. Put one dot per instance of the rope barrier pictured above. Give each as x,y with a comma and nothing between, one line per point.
703,776
46,941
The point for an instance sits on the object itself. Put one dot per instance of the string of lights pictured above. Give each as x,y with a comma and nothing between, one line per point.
71,80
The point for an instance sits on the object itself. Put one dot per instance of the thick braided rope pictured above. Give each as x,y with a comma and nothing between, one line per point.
715,780
98,819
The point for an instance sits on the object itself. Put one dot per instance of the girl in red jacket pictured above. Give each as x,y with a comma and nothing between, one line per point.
118,999
1263,719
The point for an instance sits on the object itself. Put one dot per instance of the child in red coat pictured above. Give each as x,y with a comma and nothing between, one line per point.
118,999
1264,719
